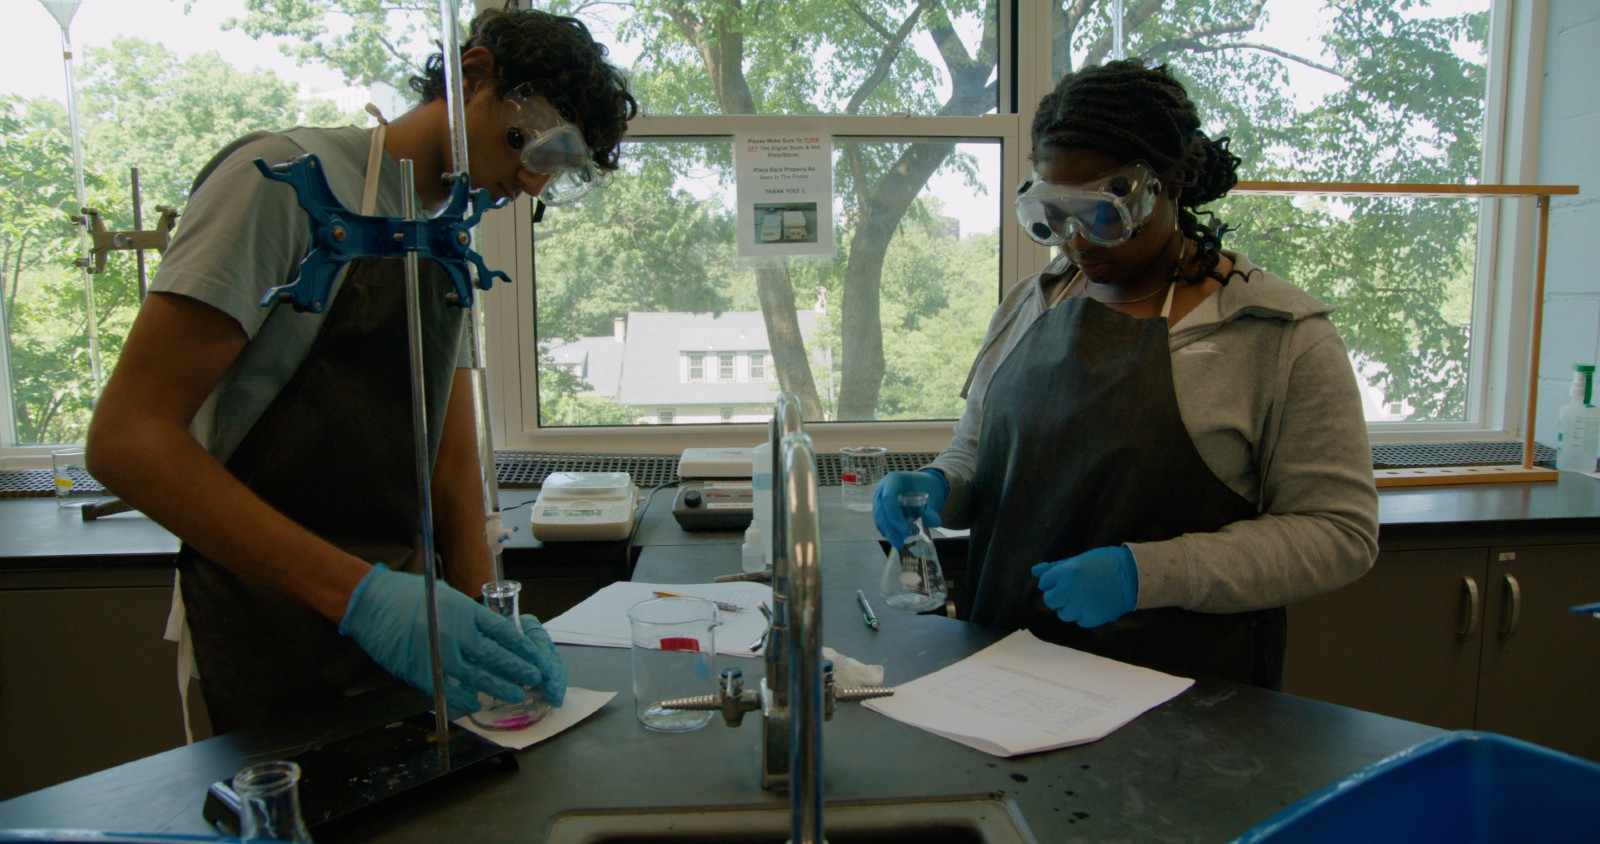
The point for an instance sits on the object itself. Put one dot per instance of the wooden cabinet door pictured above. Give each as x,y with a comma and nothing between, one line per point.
1402,641
1540,674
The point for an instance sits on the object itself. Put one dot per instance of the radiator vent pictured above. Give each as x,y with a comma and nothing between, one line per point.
528,469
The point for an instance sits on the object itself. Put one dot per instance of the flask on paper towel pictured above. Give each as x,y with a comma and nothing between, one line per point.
1578,437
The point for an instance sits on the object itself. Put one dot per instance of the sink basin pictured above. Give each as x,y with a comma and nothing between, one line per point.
967,819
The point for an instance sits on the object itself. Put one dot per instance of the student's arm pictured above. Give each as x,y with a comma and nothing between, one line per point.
141,449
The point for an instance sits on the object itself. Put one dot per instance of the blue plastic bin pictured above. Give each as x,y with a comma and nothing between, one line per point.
1462,787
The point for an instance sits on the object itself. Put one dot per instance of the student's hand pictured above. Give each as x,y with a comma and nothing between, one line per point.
890,517
1096,587
547,660
481,651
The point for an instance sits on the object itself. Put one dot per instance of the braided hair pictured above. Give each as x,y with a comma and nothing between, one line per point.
1127,111
562,61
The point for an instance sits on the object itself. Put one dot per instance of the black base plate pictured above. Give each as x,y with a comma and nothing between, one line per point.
357,771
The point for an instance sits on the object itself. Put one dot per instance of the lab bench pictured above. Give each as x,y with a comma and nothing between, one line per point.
1204,767
82,606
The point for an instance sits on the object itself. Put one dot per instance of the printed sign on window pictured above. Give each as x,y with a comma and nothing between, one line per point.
785,194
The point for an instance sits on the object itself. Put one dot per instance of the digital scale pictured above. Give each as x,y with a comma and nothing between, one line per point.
714,490
584,507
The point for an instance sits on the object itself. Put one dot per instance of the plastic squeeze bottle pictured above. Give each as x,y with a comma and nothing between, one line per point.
761,496
1578,437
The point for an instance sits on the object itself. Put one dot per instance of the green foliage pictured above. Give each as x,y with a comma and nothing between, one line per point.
140,107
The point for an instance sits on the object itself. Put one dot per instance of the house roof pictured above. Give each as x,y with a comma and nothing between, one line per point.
598,360
650,373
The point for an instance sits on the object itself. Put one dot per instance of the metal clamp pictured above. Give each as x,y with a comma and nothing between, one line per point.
105,242
339,236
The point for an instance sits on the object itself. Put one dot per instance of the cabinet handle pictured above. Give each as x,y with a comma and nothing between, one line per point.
1471,604
1511,613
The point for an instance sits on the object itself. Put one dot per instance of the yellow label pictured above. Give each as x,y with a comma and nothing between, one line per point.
63,483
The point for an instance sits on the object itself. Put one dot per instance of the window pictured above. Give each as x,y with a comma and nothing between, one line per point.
727,414
1410,278
725,366
665,415
927,139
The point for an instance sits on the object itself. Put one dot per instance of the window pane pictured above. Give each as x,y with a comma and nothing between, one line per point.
885,329
159,87
1352,92
802,57
1407,318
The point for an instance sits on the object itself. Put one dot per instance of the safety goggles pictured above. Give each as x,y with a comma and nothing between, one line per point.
551,146
1107,211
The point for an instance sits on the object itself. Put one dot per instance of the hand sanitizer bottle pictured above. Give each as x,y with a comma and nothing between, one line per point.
1578,437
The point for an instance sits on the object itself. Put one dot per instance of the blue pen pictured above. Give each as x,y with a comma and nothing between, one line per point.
866,610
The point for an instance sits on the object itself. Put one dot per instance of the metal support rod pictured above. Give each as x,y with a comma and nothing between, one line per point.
419,431
91,326
138,225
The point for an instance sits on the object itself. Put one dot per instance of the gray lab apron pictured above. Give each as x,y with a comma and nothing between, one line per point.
334,453
1082,446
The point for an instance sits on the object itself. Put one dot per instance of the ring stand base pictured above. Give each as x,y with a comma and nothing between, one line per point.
352,773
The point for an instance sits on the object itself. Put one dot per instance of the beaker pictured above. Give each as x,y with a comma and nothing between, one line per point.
502,596
674,648
912,577
860,469
269,803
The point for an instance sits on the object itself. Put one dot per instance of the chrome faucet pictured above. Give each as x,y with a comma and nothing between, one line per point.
798,693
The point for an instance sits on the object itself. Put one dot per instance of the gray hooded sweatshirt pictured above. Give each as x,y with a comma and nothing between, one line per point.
1267,393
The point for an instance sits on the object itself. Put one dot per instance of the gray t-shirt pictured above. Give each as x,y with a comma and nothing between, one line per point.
243,234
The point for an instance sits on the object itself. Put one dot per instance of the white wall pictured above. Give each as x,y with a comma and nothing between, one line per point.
1569,135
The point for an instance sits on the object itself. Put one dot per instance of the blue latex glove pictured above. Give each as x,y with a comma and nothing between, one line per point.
1098,586
481,650
547,660
890,517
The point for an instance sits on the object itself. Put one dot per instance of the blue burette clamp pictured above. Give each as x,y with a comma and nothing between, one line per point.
339,236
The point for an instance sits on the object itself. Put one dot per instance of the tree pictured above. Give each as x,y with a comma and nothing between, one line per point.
141,107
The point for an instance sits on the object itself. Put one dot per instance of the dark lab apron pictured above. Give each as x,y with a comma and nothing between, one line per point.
1082,446
334,453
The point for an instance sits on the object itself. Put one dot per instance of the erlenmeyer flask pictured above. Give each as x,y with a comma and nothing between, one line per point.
502,596
269,803
912,577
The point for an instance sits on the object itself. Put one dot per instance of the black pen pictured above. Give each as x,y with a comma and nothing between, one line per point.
866,610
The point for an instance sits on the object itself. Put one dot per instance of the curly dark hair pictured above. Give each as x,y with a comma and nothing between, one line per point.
1128,111
562,61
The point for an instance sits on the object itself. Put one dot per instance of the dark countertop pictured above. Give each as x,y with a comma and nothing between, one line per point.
1203,767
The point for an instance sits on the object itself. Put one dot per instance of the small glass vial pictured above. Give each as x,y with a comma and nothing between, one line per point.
269,803
502,596
912,576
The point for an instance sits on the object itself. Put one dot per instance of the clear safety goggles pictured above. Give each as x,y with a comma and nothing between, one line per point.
552,147
1107,211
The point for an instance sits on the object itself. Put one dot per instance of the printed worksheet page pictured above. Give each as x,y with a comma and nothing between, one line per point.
1022,695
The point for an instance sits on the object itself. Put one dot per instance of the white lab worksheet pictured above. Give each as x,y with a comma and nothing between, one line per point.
1022,695
602,618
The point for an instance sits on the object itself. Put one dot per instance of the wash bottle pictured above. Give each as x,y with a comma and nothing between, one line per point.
1578,438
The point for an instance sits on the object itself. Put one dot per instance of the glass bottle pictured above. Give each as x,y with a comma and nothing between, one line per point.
912,576
269,803
503,596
